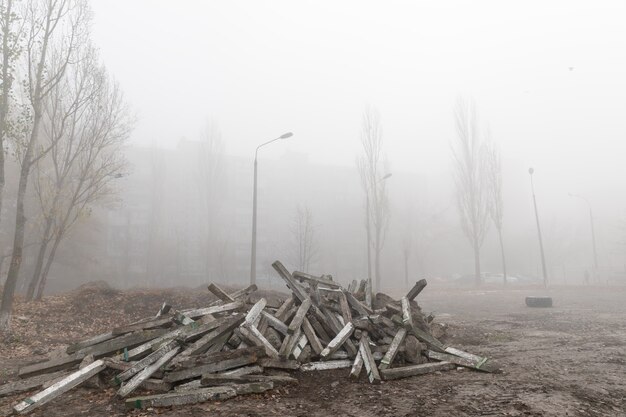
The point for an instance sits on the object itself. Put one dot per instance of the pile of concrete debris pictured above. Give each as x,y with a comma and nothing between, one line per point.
234,347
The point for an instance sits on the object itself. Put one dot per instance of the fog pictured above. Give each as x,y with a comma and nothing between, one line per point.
207,82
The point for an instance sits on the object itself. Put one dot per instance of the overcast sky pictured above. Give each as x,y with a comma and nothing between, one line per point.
548,76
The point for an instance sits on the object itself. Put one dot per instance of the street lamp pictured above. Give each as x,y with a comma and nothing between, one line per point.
593,233
543,258
253,255
368,292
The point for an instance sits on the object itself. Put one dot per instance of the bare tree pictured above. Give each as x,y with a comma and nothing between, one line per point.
304,239
87,159
494,189
54,29
470,178
372,168
158,175
11,29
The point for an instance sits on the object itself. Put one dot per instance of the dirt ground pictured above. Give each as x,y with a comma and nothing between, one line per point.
569,360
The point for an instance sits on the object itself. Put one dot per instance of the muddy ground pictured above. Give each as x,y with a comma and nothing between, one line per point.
569,360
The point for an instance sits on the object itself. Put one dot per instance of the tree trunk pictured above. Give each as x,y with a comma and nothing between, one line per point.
6,307
6,89
39,263
44,275
502,254
406,270
377,267
477,276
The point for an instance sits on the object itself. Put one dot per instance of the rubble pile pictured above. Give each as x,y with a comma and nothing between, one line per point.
234,347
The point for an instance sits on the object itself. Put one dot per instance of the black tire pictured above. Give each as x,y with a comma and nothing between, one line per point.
540,302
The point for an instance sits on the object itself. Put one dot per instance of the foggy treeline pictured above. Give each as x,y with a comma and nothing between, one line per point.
79,202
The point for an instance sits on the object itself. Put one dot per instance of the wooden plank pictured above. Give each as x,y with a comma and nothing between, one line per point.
29,404
325,365
181,398
368,360
148,360
393,349
220,293
275,323
357,366
145,373
309,331
417,288
413,370
211,368
255,311
29,383
75,347
304,277
338,341
296,322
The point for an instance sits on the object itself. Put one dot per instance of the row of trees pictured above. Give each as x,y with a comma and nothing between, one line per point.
478,181
65,122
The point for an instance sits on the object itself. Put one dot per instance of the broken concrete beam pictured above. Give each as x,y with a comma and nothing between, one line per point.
326,365
297,320
360,308
338,341
211,368
284,308
353,286
336,326
279,364
127,341
220,294
145,325
253,335
309,331
224,308
345,308
304,277
181,398
75,347
194,331
165,308
357,365
320,330
253,387
467,359
201,345
214,357
413,370
417,288
217,379
29,404
244,370
146,372
368,360
291,283
240,294
140,365
393,349
289,343
157,385
255,311
299,347
413,349
407,318
275,323
29,384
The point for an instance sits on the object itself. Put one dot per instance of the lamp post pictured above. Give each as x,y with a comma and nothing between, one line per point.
253,251
368,292
543,258
593,234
